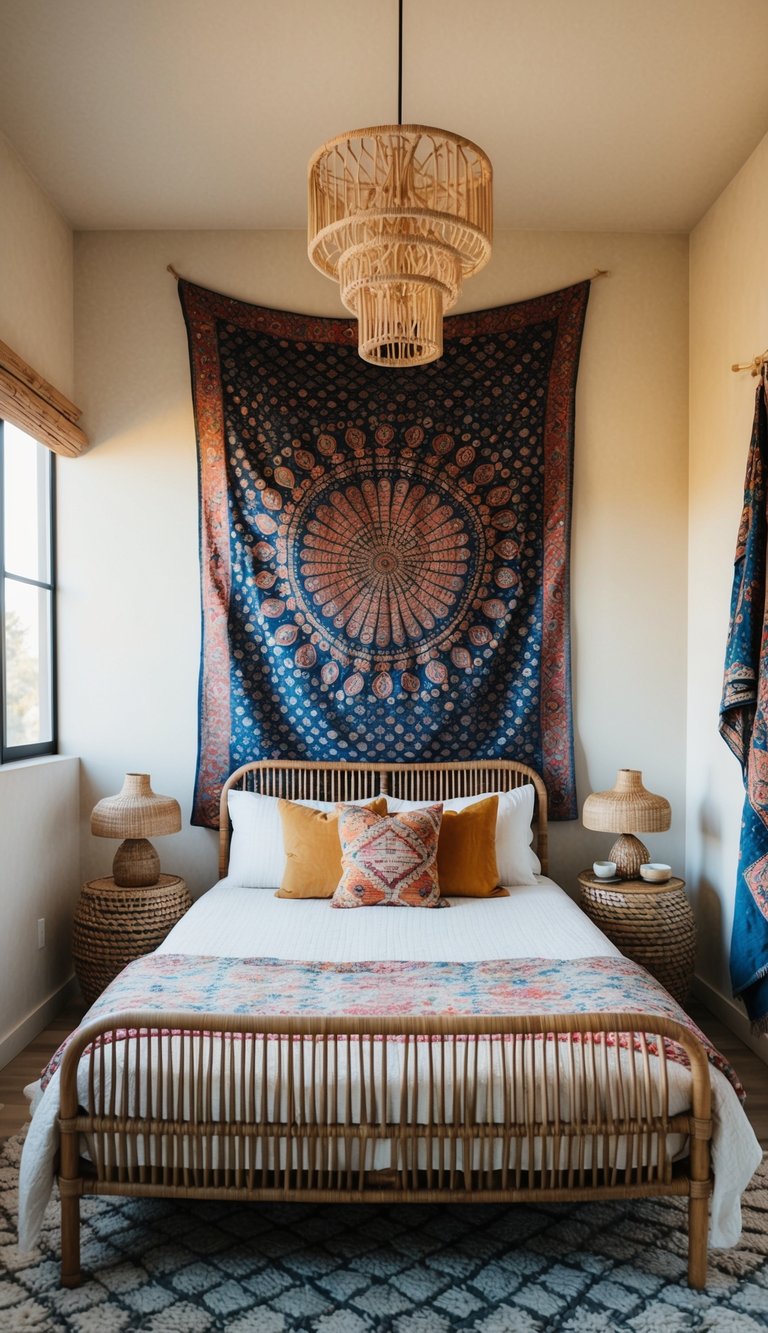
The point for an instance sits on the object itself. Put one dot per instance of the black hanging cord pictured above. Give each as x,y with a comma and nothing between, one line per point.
399,62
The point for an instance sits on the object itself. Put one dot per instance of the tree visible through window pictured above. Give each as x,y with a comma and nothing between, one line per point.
27,595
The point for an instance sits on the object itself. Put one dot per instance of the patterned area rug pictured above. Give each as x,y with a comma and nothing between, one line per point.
191,1268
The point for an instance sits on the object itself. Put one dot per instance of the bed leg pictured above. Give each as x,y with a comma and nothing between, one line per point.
71,1275
698,1226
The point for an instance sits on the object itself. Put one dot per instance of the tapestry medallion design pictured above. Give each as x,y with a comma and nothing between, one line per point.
384,553
382,557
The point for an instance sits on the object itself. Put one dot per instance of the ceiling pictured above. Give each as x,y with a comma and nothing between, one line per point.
607,115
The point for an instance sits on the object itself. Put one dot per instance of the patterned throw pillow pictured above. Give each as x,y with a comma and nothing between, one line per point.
389,860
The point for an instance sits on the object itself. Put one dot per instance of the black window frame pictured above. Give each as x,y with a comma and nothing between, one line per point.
10,753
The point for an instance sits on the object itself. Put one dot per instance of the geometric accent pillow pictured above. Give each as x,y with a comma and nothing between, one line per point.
389,860
313,849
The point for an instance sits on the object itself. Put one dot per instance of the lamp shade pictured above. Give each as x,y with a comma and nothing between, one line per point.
399,215
136,811
627,808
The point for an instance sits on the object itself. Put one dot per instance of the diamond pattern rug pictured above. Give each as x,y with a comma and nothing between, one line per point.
199,1267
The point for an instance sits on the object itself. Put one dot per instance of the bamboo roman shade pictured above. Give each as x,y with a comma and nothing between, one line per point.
31,403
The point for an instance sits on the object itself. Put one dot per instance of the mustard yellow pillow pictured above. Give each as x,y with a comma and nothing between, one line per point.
313,849
466,851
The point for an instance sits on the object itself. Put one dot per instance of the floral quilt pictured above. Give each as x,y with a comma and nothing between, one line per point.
161,983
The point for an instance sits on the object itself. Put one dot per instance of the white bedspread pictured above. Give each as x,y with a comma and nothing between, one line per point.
535,921
538,921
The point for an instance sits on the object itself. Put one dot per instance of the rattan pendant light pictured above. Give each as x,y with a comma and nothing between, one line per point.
399,215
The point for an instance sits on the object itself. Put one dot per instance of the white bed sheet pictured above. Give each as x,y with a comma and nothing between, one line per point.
534,921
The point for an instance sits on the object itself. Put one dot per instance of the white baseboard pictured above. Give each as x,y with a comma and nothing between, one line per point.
732,1015
25,1031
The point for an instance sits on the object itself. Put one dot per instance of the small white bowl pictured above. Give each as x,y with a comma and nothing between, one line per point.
655,872
604,869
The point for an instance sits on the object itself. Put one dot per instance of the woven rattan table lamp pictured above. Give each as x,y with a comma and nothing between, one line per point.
136,814
627,809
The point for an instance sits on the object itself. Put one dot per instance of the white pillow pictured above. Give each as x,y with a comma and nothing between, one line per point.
256,848
515,857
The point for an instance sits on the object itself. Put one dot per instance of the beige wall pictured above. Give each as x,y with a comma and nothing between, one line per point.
39,851
128,528
39,874
729,322
35,274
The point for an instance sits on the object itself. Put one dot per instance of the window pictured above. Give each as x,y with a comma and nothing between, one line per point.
27,612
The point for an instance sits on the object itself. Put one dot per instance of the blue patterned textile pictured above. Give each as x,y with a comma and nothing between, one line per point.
384,553
744,726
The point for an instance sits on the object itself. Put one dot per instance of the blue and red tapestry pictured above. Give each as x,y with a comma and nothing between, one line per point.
744,725
384,553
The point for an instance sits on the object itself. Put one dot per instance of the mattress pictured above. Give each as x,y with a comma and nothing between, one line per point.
534,921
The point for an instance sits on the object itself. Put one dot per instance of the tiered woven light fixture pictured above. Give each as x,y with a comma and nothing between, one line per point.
399,215
627,809
136,814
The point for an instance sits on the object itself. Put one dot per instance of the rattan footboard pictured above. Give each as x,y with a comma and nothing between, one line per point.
367,1109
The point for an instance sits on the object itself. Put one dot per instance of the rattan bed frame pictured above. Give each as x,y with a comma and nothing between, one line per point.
295,1136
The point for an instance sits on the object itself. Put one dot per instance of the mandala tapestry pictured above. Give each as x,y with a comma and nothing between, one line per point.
384,553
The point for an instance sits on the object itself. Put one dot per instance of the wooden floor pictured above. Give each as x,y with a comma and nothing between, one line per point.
27,1066
14,1107
752,1071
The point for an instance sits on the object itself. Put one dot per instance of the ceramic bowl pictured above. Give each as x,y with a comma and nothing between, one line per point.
604,869
655,872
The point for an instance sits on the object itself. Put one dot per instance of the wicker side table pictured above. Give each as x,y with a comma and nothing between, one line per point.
651,923
112,926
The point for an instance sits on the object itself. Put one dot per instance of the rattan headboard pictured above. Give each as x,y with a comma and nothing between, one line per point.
298,779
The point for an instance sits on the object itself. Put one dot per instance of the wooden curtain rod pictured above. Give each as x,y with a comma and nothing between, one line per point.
755,365
598,273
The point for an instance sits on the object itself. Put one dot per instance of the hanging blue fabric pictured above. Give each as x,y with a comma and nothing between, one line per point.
744,726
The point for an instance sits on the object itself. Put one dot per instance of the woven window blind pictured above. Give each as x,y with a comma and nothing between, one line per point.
31,403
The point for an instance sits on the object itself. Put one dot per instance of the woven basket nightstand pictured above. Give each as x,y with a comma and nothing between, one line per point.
651,923
112,926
